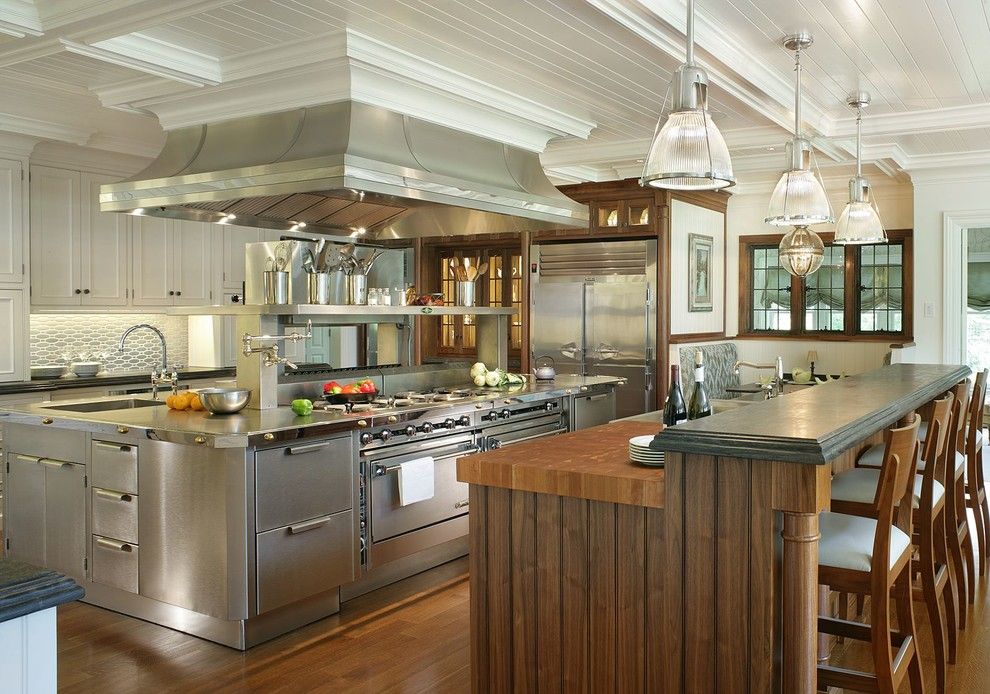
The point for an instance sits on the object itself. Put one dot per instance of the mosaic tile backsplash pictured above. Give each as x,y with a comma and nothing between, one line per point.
56,335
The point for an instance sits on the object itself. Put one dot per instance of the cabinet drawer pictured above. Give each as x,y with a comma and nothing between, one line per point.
115,466
305,559
115,563
115,514
303,481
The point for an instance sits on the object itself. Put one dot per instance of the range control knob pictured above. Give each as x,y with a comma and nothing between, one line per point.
490,417
384,434
464,421
550,406
366,438
426,428
505,414
409,430
449,423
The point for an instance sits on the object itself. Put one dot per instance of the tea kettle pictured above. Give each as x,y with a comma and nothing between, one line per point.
544,369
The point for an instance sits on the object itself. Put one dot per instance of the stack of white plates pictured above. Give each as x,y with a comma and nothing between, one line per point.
640,452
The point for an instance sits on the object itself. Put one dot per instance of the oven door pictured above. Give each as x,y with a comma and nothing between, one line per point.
450,497
516,432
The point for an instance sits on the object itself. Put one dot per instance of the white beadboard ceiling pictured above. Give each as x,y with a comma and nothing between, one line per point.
599,67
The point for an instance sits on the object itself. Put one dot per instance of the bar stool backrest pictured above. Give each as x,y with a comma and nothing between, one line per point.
961,393
936,448
976,405
896,483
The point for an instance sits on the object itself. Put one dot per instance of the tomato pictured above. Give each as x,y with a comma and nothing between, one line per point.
366,387
350,389
329,386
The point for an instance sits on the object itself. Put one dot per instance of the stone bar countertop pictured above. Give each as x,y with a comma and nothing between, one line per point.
817,424
25,589
586,464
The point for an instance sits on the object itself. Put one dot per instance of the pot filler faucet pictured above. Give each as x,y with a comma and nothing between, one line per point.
157,378
776,385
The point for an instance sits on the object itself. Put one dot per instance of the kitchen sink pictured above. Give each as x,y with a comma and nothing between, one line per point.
106,405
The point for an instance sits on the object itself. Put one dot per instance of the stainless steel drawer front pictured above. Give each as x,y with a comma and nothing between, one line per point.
115,514
303,481
115,466
115,563
389,519
305,559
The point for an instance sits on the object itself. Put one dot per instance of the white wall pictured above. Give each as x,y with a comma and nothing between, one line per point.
935,197
686,219
745,214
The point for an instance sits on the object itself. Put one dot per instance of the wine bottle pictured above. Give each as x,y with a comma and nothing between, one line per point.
700,406
674,410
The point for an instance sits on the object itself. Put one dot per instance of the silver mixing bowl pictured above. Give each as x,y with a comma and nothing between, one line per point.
224,400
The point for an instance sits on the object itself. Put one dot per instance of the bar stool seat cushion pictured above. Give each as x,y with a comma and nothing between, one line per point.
859,485
873,457
847,542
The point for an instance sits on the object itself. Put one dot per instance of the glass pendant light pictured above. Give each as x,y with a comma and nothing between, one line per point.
799,198
688,152
859,221
801,251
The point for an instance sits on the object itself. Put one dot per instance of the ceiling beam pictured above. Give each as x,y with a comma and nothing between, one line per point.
108,56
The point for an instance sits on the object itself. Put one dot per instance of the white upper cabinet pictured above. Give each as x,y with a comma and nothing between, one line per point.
172,262
11,222
56,279
105,248
79,255
234,240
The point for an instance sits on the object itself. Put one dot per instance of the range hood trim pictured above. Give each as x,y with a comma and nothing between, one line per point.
349,176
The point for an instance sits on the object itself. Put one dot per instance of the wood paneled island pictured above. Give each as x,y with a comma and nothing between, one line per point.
590,573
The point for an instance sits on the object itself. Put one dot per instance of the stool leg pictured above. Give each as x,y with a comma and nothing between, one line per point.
933,606
956,574
880,630
949,593
966,548
905,625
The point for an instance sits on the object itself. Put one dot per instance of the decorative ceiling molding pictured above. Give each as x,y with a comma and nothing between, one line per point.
61,155
354,66
151,51
110,56
45,129
20,19
733,70
909,122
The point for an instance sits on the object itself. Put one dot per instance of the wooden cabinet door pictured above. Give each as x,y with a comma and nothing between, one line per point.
192,257
105,248
13,332
11,222
150,262
55,238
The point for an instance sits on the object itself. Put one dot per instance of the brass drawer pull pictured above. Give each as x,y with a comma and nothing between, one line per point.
462,504
28,458
119,447
53,463
115,496
309,448
113,544
305,527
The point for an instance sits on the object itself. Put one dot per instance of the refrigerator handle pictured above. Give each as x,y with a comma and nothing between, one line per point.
584,328
649,350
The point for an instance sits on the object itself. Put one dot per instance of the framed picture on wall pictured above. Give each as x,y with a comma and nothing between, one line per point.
700,280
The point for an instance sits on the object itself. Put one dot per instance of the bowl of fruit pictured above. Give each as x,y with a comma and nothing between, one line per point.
351,393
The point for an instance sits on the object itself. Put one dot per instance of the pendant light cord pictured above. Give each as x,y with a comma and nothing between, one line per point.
859,141
690,32
797,92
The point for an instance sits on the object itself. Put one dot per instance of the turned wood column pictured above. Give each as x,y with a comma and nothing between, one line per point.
800,602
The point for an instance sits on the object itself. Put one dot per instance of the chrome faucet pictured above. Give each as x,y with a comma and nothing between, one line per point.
776,385
157,377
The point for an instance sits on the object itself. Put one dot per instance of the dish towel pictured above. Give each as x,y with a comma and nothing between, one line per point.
416,480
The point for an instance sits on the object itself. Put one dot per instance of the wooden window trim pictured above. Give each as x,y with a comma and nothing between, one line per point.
851,332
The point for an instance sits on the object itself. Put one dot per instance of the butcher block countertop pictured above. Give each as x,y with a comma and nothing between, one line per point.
587,464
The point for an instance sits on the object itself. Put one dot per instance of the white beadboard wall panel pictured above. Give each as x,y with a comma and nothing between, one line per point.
686,219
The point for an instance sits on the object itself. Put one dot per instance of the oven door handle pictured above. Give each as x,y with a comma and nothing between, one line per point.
498,444
379,470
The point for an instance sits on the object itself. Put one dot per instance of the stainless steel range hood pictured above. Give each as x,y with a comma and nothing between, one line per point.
343,167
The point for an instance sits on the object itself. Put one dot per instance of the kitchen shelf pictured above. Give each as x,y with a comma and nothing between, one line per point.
345,311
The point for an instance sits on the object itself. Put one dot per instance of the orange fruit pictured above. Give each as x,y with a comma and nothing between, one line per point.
182,402
195,403
170,402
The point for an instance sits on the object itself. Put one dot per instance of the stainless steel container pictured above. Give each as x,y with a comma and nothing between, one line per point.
319,287
338,288
357,290
276,287
464,293
224,400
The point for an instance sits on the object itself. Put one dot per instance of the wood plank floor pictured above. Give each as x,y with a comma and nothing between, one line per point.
411,637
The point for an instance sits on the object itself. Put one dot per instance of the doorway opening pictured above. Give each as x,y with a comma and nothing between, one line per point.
977,304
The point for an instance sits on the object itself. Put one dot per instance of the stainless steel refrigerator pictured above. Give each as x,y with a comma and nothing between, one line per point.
593,310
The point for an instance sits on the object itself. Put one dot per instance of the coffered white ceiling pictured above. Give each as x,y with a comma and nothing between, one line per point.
583,80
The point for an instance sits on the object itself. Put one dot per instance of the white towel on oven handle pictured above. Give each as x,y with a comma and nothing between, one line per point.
416,480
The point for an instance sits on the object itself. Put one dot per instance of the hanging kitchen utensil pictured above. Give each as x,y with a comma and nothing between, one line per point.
472,274
281,256
309,262
482,269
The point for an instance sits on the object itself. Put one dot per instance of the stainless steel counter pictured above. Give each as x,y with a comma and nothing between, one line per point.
241,429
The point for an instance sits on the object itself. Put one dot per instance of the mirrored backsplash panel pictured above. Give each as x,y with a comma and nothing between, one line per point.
57,338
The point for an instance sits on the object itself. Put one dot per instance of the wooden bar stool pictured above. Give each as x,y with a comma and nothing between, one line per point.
872,555
976,491
855,491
